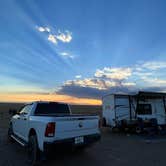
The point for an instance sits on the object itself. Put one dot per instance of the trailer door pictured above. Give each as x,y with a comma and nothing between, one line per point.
108,110
160,111
122,107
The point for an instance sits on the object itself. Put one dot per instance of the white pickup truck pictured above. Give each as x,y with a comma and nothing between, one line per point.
41,125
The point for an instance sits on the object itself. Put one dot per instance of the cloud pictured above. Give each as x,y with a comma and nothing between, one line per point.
91,91
47,29
129,84
81,92
154,65
66,55
52,39
78,76
142,73
43,29
94,87
155,81
91,82
151,73
64,37
118,80
114,73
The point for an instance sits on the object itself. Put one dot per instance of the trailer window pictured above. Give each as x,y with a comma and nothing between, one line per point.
144,109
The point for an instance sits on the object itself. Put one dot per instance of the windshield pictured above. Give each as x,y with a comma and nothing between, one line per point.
52,108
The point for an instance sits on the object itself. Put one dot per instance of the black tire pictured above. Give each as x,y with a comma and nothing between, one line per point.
104,122
33,151
114,129
10,132
138,130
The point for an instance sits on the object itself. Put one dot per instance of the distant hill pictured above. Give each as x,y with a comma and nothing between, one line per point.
76,109
83,109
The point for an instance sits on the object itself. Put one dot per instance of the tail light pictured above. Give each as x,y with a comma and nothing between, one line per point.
50,129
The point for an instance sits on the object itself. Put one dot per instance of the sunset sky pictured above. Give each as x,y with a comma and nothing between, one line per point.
76,51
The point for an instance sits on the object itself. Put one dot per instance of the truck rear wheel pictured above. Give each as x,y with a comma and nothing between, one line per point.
33,151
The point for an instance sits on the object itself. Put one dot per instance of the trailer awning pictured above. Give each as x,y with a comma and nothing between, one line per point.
150,95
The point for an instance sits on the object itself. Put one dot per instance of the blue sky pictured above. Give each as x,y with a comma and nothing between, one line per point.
83,48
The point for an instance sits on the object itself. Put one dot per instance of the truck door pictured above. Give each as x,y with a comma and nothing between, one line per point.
16,124
24,121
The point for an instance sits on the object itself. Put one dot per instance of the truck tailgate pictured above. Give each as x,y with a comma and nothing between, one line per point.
74,126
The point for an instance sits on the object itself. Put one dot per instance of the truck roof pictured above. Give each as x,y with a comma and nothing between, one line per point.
45,102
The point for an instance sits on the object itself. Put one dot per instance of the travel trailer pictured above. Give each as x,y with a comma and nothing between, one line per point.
135,111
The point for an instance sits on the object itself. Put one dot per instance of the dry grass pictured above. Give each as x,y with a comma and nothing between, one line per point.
4,112
86,109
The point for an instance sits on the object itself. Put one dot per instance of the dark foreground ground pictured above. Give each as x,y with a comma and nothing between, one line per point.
113,149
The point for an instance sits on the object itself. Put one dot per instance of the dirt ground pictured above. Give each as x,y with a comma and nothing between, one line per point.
114,149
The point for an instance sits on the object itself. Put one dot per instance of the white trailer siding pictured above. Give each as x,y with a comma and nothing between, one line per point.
118,107
108,109
160,111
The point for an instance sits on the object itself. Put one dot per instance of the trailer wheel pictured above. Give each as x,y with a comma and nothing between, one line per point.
138,130
115,129
104,122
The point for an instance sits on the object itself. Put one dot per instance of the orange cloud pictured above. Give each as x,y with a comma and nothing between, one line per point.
16,97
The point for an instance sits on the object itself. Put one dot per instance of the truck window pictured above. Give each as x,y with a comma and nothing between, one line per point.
144,109
26,109
51,108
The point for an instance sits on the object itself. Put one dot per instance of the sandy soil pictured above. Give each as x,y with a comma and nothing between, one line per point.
113,149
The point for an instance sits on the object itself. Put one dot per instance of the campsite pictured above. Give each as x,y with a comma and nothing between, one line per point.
114,148
141,112
83,83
